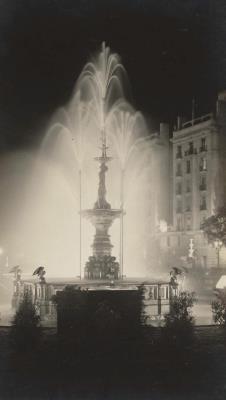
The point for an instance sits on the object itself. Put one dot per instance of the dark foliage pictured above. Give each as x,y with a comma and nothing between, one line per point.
102,319
219,308
179,323
25,329
214,227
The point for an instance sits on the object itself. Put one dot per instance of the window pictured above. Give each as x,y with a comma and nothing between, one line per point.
203,164
178,188
203,144
179,170
188,204
202,185
179,223
179,152
188,223
188,166
191,148
203,203
179,206
188,186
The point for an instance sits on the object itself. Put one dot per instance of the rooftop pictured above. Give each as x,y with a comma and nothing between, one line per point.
197,124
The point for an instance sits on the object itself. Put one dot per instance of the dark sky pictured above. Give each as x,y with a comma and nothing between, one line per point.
172,50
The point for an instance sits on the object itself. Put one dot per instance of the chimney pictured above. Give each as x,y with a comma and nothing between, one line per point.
221,106
179,122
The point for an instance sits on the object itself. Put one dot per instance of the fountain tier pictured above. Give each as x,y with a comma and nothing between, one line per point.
102,265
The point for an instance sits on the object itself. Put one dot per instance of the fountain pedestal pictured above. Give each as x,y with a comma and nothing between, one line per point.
101,265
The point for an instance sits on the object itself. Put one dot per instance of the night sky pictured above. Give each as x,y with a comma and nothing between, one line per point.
172,50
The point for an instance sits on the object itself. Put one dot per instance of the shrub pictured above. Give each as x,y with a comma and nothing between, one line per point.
25,329
179,322
219,308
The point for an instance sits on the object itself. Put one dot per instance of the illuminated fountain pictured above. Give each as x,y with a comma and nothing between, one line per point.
102,265
99,78
99,115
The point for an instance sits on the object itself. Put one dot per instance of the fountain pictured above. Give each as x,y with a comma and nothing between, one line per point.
102,265
99,109
98,115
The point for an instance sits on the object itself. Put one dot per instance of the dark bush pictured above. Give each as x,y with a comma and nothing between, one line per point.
179,323
25,329
98,318
219,308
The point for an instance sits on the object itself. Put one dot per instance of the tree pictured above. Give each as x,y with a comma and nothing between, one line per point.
25,329
214,227
219,308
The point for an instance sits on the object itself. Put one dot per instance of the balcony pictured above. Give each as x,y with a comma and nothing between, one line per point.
202,149
198,120
202,168
190,152
202,207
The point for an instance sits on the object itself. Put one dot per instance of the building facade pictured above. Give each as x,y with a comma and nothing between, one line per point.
197,177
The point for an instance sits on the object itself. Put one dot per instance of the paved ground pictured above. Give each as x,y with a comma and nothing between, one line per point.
196,372
202,311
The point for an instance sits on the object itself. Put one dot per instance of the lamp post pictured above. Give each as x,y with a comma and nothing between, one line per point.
218,244
122,224
80,223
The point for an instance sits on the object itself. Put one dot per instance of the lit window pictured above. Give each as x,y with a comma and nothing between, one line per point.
203,164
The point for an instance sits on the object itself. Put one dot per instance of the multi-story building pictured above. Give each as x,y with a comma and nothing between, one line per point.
198,188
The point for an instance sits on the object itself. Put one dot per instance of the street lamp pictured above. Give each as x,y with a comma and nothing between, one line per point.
218,244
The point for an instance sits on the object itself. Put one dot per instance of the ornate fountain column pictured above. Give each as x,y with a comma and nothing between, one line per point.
101,265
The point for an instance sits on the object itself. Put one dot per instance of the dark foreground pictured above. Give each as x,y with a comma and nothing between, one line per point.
140,370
